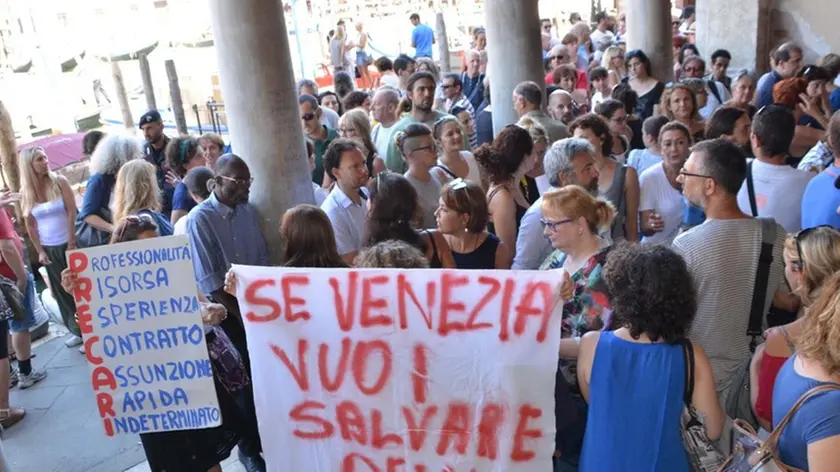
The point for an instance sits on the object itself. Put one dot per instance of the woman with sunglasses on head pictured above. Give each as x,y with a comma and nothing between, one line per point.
462,218
617,182
137,193
355,125
811,257
504,163
418,149
453,162
811,439
183,154
392,207
49,211
197,450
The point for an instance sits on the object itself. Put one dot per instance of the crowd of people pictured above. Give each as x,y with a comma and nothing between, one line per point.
690,216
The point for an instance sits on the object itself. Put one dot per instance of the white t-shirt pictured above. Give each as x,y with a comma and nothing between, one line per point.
180,226
381,138
602,40
388,79
778,193
642,160
659,195
474,174
329,118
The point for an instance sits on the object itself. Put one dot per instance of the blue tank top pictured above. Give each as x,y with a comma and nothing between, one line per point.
483,257
635,402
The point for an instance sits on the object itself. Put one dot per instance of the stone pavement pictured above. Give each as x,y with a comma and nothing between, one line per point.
61,431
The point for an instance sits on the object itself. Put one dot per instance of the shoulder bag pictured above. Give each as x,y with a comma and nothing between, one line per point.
751,454
89,236
703,455
738,403
11,304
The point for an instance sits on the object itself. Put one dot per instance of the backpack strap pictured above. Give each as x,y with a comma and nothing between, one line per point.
751,189
713,88
688,358
765,259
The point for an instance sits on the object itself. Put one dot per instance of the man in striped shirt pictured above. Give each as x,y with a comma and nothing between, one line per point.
722,256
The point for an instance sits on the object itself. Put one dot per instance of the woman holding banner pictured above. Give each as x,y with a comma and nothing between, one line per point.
197,450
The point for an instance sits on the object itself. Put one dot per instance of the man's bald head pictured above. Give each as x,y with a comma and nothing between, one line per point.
384,106
229,164
561,106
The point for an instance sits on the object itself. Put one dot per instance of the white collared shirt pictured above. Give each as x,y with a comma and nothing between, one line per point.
347,218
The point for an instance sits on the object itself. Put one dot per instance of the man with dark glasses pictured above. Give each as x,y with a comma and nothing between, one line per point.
320,135
821,201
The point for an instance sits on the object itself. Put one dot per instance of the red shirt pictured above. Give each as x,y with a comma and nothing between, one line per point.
7,231
582,80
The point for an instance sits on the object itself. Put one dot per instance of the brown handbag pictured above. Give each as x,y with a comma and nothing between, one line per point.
751,454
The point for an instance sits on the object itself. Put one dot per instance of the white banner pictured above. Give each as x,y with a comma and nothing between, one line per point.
392,370
139,315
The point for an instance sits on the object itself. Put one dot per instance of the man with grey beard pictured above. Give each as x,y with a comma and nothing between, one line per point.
570,161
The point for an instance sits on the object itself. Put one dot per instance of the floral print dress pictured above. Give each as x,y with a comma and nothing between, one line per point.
589,309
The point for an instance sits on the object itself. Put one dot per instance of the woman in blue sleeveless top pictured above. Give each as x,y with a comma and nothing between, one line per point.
634,378
462,217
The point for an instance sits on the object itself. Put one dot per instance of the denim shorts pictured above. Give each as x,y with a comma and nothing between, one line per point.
361,58
25,324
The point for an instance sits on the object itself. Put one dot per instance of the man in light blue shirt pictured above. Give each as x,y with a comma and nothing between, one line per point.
821,201
225,230
570,161
346,205
422,38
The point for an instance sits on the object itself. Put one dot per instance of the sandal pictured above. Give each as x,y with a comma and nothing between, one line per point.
11,416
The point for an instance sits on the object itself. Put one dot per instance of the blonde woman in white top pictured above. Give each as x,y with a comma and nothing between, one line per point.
453,161
613,61
49,211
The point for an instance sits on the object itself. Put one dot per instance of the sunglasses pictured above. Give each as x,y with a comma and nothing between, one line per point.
432,148
242,182
458,184
800,236
145,223
307,116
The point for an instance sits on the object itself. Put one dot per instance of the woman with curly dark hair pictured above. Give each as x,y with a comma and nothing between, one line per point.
393,206
617,182
183,154
634,378
504,163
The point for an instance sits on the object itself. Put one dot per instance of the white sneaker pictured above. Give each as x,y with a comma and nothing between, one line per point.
73,341
34,377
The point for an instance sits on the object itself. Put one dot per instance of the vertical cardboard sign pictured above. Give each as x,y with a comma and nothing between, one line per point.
140,318
403,370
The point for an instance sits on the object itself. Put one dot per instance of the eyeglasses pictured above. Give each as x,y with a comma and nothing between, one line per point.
689,174
242,182
553,225
307,116
347,131
431,148
800,236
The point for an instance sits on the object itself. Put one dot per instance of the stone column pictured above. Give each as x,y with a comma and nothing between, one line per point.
514,53
175,97
442,43
122,96
148,86
649,29
742,28
258,88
